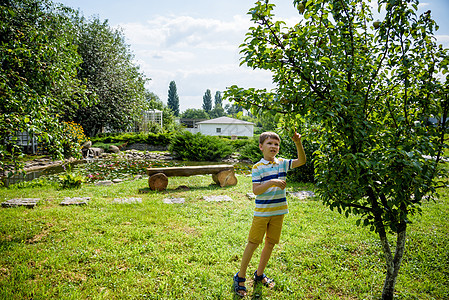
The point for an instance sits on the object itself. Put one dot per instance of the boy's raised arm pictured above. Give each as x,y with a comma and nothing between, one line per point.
301,160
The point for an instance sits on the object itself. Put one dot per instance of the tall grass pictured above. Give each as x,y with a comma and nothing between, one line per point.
152,250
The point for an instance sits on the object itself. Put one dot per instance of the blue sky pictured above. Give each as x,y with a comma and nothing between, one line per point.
195,43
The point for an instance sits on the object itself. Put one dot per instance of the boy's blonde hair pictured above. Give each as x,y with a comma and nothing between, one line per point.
268,135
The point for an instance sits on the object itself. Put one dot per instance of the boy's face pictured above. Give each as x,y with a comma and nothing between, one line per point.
270,148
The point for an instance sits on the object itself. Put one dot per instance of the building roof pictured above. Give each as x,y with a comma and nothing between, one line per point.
225,120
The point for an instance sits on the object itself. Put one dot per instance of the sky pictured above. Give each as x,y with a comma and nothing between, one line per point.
196,42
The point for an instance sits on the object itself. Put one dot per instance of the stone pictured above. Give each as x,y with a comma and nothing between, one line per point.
127,200
114,149
220,198
96,151
302,194
27,202
75,201
137,177
251,196
104,182
117,180
86,145
174,200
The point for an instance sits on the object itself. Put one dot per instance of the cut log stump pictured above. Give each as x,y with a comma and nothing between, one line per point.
158,182
221,174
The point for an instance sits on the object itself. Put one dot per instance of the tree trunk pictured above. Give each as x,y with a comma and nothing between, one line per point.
392,264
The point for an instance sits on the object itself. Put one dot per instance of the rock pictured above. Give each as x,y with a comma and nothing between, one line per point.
27,202
114,149
251,196
127,200
219,198
137,177
86,145
104,182
75,201
174,200
117,180
302,194
96,151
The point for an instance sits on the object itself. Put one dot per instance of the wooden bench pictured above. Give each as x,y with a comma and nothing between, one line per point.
221,174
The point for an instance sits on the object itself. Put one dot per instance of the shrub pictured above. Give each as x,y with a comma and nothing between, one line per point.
198,147
251,150
71,181
155,139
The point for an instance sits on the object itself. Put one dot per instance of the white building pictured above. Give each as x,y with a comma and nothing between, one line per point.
225,126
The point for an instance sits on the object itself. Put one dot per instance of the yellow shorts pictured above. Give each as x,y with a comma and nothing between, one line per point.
270,225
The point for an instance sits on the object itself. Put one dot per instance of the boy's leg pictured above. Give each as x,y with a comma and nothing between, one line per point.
264,257
255,237
246,258
272,238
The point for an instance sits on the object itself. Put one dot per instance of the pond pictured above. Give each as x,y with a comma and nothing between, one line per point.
109,169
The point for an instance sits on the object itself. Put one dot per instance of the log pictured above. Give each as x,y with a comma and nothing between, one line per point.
225,178
158,182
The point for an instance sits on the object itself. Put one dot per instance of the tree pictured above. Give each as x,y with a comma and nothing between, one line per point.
173,99
38,75
192,113
370,88
109,71
207,101
154,102
218,99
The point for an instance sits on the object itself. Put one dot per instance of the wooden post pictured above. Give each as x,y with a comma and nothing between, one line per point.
225,178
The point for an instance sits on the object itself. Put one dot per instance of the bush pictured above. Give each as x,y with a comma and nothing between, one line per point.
155,139
251,150
198,147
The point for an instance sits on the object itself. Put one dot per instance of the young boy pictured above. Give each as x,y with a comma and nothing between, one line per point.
268,176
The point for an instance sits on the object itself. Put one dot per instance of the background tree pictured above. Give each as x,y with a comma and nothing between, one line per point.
109,71
370,88
193,113
38,74
207,101
168,119
218,110
218,100
173,99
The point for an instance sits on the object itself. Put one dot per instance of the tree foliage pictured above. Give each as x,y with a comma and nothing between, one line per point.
193,113
369,90
39,62
173,98
109,72
207,101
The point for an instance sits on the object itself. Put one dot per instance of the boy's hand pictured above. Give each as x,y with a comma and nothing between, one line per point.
296,137
279,183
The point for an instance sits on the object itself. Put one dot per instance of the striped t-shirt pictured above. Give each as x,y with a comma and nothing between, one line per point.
273,201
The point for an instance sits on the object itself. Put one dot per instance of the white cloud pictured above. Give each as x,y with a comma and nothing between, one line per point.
198,53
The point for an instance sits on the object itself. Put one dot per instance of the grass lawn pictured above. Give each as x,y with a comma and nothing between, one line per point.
152,250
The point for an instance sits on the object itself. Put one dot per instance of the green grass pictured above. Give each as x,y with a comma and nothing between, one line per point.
153,250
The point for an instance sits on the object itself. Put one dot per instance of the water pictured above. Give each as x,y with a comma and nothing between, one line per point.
31,175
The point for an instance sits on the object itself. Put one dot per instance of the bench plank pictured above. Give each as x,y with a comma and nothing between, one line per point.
221,174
